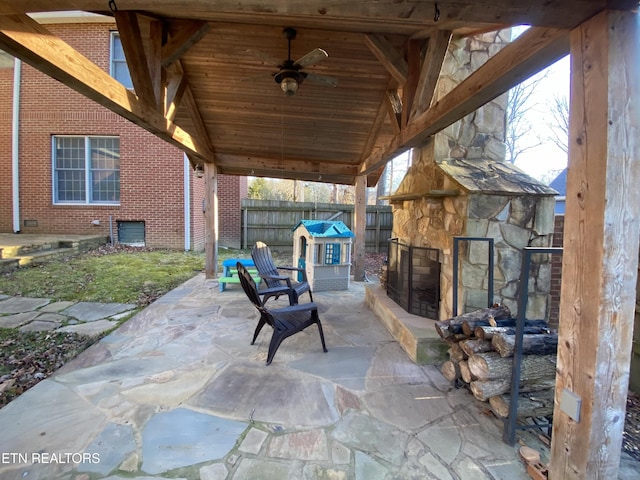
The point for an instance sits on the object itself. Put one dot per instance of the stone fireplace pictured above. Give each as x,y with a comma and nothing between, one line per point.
459,185
458,197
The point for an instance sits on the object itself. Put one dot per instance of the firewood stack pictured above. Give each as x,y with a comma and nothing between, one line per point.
482,345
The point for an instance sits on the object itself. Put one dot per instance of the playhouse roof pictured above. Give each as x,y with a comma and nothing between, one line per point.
326,228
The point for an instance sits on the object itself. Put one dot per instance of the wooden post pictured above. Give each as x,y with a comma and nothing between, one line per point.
360,221
211,220
599,264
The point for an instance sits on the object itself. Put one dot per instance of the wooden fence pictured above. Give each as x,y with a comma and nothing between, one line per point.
272,222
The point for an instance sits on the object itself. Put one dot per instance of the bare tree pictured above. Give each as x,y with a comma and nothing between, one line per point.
559,122
519,131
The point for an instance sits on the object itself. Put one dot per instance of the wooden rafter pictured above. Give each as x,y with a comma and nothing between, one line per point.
196,118
154,62
137,59
176,86
376,127
262,163
394,107
148,73
184,35
414,60
430,71
389,56
26,39
534,50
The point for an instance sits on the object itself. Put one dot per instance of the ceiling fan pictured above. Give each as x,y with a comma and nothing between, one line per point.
290,75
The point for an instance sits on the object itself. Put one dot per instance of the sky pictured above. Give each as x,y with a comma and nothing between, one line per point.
545,161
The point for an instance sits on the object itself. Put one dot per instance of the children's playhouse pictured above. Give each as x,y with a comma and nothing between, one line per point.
323,249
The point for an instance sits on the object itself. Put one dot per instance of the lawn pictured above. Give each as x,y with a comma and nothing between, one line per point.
107,274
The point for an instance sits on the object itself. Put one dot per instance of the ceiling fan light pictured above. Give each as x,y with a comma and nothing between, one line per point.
289,85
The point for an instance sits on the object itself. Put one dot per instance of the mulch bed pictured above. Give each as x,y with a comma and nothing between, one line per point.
29,357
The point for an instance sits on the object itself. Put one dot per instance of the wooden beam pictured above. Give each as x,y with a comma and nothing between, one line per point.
293,166
414,61
599,265
376,127
137,62
211,230
535,49
24,38
154,62
184,35
389,56
430,71
394,108
176,84
360,222
357,16
200,130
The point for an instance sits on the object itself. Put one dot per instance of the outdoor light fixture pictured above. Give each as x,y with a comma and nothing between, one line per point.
289,81
199,171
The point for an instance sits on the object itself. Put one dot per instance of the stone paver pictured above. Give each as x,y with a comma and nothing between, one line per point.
182,437
92,311
55,307
90,329
178,392
39,326
21,304
17,320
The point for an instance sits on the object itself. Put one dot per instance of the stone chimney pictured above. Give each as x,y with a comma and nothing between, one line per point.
459,185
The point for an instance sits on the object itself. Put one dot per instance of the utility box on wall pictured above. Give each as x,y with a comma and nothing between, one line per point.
323,249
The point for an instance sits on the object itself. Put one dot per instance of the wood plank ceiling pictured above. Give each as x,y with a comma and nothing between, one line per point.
200,85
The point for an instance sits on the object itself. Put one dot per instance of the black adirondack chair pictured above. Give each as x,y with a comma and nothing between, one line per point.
285,321
270,274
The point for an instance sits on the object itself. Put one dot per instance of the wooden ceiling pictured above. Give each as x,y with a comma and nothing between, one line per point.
200,85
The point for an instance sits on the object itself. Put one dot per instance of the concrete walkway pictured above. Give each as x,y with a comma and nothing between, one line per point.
178,392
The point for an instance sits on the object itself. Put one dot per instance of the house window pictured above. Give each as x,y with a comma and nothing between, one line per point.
86,170
332,253
119,68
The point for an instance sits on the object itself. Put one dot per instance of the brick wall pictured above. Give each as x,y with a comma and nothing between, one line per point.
230,191
151,170
556,273
6,87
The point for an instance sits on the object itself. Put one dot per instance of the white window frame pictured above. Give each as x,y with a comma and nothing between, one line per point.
87,172
115,34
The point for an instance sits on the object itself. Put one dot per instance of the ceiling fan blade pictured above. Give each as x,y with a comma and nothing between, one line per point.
311,58
264,57
322,80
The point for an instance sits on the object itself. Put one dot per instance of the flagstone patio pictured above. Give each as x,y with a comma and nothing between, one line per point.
179,392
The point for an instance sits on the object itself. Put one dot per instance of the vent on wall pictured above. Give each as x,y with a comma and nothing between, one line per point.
131,233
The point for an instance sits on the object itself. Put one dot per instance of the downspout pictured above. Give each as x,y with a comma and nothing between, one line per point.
187,203
15,142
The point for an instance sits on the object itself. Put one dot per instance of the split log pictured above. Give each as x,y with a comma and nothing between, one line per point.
473,346
531,344
469,327
487,332
450,370
456,353
483,390
453,326
491,366
465,373
538,404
